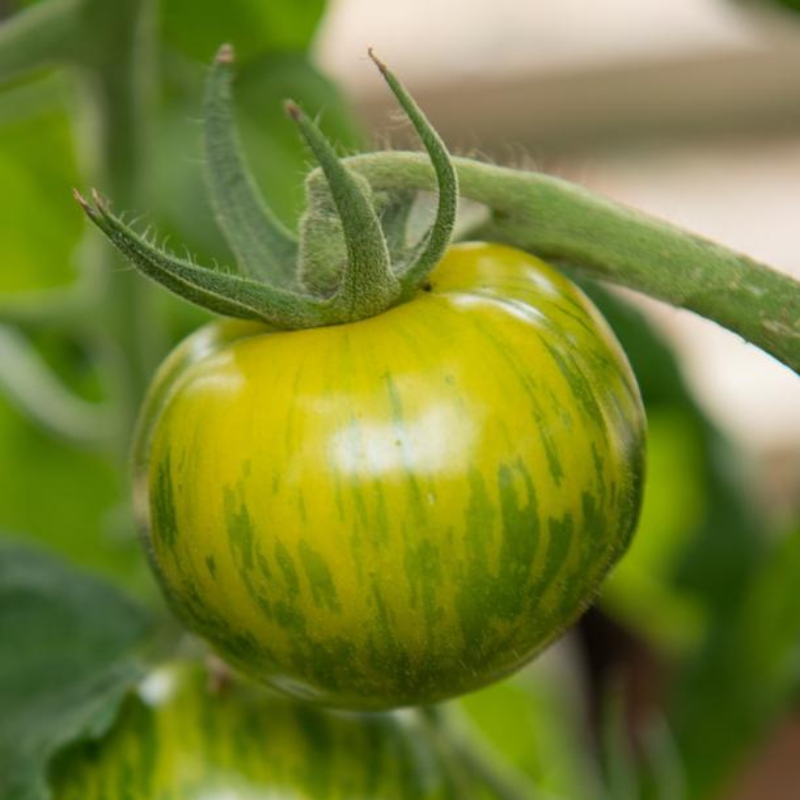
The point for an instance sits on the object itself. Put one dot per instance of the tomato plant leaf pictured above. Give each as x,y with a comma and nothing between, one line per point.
792,6
37,159
68,643
753,655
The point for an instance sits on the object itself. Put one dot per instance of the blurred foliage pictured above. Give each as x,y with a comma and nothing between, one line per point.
786,5
747,673
689,585
536,721
38,229
70,499
675,501
75,499
71,667
197,29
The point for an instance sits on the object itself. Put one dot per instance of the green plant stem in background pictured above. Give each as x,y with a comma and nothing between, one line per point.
480,768
121,96
561,221
40,36
30,384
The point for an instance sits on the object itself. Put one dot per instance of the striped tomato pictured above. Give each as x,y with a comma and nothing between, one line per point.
401,509
174,740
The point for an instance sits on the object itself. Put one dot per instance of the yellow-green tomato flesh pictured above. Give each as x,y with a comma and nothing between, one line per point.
402,509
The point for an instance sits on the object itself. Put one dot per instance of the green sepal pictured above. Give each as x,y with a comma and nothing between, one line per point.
341,270
431,248
367,285
263,247
323,252
221,292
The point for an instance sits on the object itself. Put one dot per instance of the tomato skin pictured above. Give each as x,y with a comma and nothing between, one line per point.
402,509
176,739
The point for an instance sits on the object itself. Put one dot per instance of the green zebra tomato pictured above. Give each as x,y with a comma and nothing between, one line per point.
401,509
175,740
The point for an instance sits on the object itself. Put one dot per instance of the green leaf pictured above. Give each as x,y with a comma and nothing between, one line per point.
781,5
67,499
431,248
676,577
746,676
39,228
68,643
251,26
654,363
367,285
641,591
216,290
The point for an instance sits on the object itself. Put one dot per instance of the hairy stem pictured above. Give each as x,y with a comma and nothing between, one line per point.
558,220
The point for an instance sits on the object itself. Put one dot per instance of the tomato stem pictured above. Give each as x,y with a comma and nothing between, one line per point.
562,222
352,261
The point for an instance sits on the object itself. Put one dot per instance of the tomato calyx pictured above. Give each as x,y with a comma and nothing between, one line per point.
351,260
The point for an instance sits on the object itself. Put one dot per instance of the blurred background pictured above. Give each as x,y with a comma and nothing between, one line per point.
684,681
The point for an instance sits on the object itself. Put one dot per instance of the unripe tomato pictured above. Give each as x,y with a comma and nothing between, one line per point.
401,509
175,740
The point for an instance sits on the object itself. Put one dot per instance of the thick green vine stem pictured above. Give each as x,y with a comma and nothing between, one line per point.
560,221
275,279
353,259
